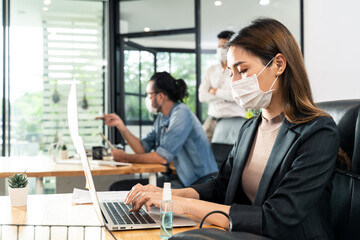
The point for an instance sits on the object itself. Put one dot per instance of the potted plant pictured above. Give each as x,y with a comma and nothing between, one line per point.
63,152
18,189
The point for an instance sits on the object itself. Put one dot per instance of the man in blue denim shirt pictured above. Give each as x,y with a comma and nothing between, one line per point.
177,136
180,138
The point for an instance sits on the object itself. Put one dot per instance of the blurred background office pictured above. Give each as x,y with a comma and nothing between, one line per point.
112,48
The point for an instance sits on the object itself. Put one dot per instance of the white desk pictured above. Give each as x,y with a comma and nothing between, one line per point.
57,209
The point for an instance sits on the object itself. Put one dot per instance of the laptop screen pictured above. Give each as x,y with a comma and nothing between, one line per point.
79,146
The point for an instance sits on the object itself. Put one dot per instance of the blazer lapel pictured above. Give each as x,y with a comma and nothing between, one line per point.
242,153
283,142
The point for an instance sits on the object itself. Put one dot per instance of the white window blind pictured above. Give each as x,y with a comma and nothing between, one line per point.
73,49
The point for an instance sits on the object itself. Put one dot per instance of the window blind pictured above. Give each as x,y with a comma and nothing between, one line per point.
73,49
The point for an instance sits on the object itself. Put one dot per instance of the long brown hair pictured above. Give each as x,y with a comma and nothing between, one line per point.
267,37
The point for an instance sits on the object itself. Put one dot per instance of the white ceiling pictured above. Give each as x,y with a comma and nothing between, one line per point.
167,15
231,15
30,12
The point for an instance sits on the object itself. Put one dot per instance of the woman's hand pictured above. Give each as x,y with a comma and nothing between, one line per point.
140,188
153,199
113,120
146,198
150,195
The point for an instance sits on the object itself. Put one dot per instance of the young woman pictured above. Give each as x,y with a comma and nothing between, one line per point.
277,179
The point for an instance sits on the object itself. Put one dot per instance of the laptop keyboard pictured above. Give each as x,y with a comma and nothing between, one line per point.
119,214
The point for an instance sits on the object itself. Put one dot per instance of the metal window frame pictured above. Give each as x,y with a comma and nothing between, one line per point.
6,85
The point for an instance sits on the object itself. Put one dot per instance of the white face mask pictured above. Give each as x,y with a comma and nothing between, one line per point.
221,54
246,92
150,108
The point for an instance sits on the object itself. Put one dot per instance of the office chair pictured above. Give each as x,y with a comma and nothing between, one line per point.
345,197
346,115
224,137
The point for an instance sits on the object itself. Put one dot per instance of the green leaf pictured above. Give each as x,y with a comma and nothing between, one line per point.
18,181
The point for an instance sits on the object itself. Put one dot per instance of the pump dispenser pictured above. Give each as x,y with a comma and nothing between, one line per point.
166,213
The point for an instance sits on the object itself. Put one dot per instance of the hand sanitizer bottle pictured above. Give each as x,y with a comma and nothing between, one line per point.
166,213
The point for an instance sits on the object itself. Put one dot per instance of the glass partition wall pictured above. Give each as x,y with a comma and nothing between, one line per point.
53,43
46,44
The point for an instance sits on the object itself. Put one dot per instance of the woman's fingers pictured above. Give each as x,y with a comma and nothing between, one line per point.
139,201
148,205
138,187
134,190
145,198
150,199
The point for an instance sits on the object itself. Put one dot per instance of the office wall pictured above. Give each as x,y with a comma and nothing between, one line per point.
332,48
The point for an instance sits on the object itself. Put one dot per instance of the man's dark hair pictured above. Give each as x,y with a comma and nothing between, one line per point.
176,90
225,35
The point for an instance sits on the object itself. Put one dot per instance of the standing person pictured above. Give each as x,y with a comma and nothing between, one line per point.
277,180
176,136
215,89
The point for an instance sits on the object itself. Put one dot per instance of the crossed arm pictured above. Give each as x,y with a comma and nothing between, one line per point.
208,93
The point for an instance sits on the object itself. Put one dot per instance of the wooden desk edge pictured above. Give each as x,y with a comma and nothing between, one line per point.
122,170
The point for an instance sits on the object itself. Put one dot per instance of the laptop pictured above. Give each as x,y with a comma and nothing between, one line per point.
92,162
114,215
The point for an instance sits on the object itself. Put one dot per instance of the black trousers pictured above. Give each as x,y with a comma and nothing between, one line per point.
126,185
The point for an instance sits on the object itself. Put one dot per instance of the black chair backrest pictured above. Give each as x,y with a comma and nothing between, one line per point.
346,115
345,206
224,137
345,197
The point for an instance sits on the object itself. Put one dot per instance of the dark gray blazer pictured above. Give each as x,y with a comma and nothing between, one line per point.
292,201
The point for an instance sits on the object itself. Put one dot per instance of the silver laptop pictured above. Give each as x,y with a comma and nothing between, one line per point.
115,215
